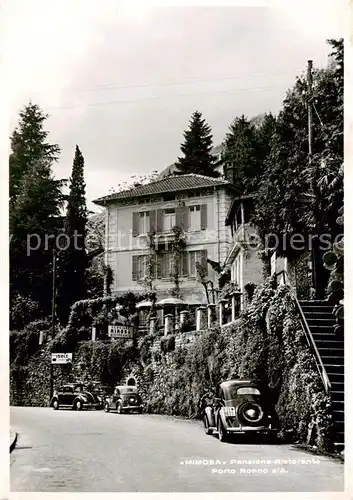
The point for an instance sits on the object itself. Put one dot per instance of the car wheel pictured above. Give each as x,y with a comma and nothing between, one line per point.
222,433
56,404
106,407
119,408
206,426
78,405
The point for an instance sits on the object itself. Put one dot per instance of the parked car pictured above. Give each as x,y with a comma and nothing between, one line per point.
75,396
125,399
240,407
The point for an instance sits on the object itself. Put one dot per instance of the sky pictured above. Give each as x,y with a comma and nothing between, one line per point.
121,79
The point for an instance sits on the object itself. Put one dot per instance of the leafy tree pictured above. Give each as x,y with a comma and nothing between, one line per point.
73,260
196,149
285,203
241,155
29,145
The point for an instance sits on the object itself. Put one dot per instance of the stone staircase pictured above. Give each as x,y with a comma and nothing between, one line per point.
320,320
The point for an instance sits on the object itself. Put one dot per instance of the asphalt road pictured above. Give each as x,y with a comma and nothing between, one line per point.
90,451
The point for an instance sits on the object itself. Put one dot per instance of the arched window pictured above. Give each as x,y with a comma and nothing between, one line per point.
131,381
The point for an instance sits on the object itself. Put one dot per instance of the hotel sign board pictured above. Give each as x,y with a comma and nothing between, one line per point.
120,332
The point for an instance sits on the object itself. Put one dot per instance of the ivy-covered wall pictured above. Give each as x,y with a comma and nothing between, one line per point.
266,342
173,372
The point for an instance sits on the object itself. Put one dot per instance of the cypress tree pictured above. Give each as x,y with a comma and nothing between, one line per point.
73,258
196,149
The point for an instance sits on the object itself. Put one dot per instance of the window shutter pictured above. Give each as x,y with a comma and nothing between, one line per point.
182,217
204,260
159,221
134,267
135,224
185,267
153,220
151,262
203,217
159,266
178,217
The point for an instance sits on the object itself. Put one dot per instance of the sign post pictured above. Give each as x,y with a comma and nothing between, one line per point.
60,358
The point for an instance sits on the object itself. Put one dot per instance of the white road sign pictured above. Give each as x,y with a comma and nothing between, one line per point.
61,358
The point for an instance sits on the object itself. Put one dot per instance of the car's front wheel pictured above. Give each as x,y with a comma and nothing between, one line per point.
78,405
56,404
206,426
106,407
222,433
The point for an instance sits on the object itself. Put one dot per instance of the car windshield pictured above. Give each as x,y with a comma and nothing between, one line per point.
127,390
233,392
80,388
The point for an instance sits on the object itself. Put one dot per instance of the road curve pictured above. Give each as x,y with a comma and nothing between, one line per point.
90,451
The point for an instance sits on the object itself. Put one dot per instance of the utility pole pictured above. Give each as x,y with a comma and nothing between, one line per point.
314,251
310,113
53,318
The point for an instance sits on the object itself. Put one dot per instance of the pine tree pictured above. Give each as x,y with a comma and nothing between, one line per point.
35,203
28,145
73,260
34,224
196,149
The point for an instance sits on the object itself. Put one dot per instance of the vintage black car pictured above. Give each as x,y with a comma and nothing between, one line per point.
75,396
125,399
240,406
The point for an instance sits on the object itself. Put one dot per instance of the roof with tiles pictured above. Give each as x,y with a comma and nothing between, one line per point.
167,185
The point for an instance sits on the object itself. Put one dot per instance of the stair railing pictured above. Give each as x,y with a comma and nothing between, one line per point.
307,333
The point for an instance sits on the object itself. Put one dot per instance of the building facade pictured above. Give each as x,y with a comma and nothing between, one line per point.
196,204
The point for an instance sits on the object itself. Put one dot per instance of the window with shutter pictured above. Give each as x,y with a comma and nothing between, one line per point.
144,222
168,215
194,218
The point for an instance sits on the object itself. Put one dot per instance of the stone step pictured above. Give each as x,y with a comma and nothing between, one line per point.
313,303
335,377
333,361
337,391
337,406
324,336
330,347
335,369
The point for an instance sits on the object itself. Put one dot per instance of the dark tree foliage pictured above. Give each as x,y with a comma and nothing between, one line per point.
29,145
73,258
196,149
241,155
35,203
